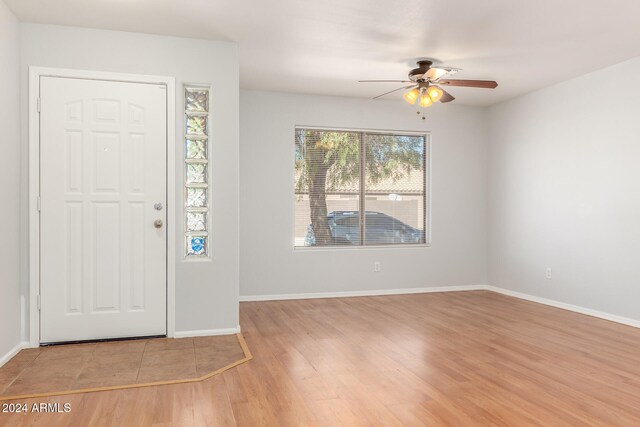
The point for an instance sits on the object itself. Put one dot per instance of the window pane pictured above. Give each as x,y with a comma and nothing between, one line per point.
197,100
196,173
197,125
394,189
196,149
327,182
196,197
342,218
196,245
196,221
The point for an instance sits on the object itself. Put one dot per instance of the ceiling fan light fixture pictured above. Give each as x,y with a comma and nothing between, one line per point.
411,96
425,100
435,93
425,82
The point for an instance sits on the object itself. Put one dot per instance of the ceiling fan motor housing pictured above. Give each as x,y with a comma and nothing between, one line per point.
417,73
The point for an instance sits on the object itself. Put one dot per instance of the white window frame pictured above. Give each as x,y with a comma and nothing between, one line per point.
427,191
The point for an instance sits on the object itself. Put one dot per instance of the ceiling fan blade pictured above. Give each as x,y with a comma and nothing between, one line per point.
446,96
384,81
486,84
435,73
391,91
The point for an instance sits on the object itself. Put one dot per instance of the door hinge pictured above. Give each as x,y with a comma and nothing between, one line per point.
39,204
39,305
38,103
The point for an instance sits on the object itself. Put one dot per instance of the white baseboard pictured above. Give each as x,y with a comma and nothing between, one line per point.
6,357
565,306
207,332
280,297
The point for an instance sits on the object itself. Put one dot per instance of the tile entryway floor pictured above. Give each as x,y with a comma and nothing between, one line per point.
77,367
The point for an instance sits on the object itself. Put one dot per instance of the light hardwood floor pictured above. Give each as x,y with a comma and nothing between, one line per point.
462,359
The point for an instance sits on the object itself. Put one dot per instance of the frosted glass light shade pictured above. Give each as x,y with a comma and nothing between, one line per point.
435,93
412,96
425,101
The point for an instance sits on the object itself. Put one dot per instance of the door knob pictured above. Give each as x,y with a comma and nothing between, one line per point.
157,223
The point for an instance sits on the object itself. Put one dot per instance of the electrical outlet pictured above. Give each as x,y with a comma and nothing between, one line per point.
547,273
376,266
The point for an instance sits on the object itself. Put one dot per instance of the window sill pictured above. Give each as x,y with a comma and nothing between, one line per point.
358,248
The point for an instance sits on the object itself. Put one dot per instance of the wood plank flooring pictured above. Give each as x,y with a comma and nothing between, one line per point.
460,359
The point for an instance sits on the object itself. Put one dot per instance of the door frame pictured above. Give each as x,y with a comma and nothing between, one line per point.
34,183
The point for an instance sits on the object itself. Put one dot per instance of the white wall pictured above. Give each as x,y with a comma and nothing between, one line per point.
270,265
206,292
10,238
565,192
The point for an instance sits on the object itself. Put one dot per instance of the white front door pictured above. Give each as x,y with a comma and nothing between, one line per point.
103,178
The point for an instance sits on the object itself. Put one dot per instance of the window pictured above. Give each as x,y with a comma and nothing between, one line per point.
196,164
360,188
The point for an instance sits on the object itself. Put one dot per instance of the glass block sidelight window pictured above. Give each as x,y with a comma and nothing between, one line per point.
196,171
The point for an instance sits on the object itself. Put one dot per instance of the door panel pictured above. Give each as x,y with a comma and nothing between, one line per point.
102,169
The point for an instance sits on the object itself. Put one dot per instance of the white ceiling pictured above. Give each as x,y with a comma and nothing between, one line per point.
325,46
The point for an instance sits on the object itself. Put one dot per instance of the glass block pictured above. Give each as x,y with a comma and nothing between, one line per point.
196,173
196,125
196,197
196,221
196,149
197,100
196,245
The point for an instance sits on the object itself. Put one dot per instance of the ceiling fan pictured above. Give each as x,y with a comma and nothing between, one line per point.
426,82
